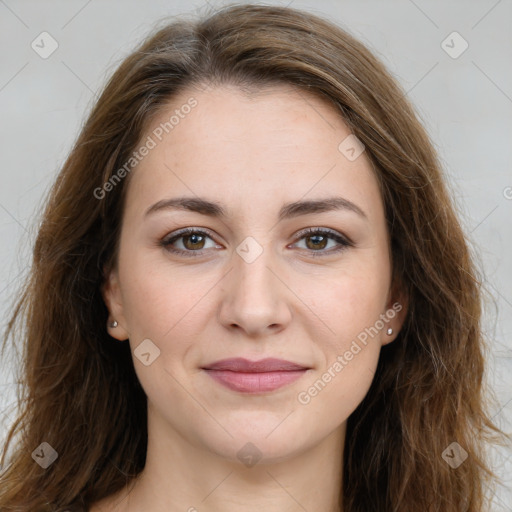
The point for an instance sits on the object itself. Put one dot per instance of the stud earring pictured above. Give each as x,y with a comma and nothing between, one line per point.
389,332
114,324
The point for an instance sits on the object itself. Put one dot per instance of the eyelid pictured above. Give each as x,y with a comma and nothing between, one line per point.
334,234
342,240
181,233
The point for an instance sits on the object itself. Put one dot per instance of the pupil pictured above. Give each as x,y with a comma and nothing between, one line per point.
316,237
193,238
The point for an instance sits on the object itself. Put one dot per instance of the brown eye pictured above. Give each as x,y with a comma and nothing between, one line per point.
316,240
192,241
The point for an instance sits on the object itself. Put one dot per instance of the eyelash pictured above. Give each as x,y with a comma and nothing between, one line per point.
333,235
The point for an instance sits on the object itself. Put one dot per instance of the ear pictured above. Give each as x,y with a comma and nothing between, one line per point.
112,297
396,312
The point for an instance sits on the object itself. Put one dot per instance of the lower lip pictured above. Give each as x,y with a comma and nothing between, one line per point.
255,382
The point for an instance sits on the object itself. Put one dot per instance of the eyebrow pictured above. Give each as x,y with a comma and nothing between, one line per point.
288,211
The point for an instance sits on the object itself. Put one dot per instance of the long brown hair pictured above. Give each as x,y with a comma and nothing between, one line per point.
78,389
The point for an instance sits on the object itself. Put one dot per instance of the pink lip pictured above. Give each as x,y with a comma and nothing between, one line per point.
246,376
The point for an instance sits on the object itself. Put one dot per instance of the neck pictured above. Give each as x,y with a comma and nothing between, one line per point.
181,476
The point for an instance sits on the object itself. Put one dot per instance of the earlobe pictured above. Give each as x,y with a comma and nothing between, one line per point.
396,313
111,294
389,336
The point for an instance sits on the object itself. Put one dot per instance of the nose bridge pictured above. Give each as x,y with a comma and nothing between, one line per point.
253,298
251,272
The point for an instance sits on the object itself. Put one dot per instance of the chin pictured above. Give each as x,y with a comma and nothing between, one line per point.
265,441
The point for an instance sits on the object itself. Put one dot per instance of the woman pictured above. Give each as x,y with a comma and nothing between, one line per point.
250,289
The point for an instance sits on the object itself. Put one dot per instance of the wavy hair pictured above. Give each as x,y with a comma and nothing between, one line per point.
78,390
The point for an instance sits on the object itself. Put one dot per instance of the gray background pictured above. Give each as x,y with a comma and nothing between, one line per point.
464,102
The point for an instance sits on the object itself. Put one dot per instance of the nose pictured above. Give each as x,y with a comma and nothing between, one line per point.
255,296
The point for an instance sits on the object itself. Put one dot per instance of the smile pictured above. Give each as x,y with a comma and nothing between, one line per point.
255,382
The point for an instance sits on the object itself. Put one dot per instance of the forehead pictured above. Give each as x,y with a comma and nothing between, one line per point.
249,147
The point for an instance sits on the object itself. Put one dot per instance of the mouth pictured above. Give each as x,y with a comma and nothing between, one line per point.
246,376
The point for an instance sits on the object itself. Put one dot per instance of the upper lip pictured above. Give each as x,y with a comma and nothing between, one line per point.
239,364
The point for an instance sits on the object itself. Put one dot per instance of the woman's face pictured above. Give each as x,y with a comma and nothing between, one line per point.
253,174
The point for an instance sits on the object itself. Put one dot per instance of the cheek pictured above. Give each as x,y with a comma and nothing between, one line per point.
352,309
166,308
352,304
333,395
350,356
160,302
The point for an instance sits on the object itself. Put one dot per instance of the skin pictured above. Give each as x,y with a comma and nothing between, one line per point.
252,153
